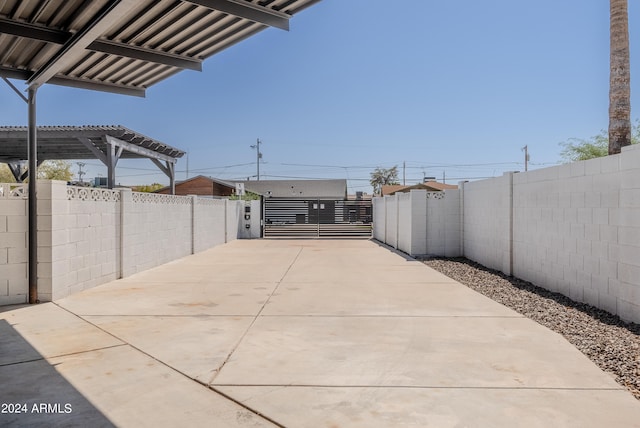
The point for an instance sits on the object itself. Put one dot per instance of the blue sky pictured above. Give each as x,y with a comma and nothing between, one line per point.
454,88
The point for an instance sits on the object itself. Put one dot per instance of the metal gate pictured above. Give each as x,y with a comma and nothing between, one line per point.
315,218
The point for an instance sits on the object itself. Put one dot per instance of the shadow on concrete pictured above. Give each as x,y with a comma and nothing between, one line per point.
34,394
402,254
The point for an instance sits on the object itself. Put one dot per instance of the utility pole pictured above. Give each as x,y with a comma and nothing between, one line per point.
81,173
404,177
258,156
526,158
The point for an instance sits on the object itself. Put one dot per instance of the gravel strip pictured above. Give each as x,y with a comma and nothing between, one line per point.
611,343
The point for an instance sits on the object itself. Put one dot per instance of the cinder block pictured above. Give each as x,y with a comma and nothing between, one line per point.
629,158
577,231
629,292
3,223
81,221
44,206
630,179
591,296
629,236
564,171
13,300
592,232
609,268
17,286
629,217
76,234
609,233
14,240
577,168
17,255
629,311
600,216
4,287
599,250
629,273
569,274
600,283
605,183
95,219
58,237
592,166
608,303
630,198
576,292
16,207
609,164
577,199
83,274
44,297
591,265
4,255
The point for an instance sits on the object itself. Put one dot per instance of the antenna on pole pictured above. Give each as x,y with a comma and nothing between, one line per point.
258,157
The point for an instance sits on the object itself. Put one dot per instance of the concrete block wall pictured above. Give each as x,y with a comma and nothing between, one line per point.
486,222
14,286
392,222
405,224
234,216
443,230
419,222
577,231
209,231
156,229
88,237
78,238
627,249
379,226
573,229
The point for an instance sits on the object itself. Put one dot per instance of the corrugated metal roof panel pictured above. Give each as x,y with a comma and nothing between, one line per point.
62,142
125,45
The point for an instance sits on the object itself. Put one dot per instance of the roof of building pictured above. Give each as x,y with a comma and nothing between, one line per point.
330,189
125,46
81,142
200,177
430,186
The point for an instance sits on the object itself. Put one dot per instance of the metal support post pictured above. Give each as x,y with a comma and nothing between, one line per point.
33,202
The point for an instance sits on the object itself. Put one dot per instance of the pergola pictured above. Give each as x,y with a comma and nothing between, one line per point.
105,143
121,46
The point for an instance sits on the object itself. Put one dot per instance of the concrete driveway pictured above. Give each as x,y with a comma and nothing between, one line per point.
296,333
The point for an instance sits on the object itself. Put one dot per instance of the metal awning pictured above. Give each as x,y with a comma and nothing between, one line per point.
105,143
121,46
125,46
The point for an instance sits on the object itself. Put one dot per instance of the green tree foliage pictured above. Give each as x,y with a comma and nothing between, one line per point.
382,177
48,170
248,196
578,149
55,170
148,188
5,174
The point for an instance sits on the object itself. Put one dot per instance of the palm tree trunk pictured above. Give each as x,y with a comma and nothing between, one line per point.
619,79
